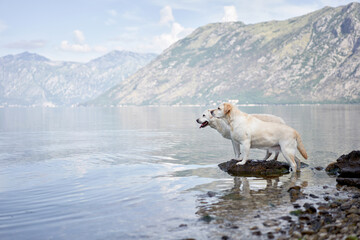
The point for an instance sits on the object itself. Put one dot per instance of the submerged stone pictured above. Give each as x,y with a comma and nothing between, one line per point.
295,193
255,168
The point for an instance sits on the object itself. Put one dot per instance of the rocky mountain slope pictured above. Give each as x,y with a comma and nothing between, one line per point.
28,79
307,59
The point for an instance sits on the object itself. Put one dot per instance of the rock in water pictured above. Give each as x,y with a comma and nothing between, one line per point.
255,168
348,168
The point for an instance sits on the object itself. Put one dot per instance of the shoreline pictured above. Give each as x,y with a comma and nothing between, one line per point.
332,217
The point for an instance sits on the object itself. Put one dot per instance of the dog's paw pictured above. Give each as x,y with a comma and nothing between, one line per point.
237,159
241,163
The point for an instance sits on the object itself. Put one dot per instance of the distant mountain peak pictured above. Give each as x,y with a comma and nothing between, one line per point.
27,56
116,54
312,58
28,79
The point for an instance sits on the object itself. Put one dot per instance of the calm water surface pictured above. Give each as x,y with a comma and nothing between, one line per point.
149,172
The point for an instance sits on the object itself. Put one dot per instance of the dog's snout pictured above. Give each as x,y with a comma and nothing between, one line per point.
197,120
212,112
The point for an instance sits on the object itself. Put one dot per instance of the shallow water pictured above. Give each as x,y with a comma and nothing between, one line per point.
150,172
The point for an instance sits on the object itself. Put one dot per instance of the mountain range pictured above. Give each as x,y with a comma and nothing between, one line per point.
314,58
28,79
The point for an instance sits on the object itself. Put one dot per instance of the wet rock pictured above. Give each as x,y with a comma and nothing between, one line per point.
296,205
328,219
347,167
256,233
351,238
357,195
319,168
323,212
211,193
304,218
182,225
345,206
295,193
206,218
255,168
349,181
271,223
232,226
316,224
309,208
354,209
296,212
296,234
286,218
323,236
307,232
225,237
313,195
270,235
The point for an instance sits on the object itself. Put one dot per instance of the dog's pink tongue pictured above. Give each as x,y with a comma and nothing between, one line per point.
203,125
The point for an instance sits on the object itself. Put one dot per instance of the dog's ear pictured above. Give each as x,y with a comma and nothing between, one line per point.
227,108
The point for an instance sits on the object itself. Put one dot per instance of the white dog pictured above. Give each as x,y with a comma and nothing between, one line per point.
251,132
224,129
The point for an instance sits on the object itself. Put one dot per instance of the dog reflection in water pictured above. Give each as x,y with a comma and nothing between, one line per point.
247,198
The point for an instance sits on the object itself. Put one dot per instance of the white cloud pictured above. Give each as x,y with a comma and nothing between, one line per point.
79,44
66,46
79,36
26,44
166,15
163,41
230,14
131,38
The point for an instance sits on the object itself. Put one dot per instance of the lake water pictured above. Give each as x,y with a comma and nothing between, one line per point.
150,172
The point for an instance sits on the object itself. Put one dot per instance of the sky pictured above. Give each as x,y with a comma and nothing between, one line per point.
81,30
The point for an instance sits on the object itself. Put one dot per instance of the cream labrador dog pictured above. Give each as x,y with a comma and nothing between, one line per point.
224,129
251,132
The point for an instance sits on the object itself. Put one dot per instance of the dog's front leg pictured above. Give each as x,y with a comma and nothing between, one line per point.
246,150
236,147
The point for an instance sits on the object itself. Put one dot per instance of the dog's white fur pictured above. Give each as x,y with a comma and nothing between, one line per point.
251,132
224,129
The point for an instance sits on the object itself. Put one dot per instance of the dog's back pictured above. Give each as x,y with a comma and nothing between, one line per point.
269,118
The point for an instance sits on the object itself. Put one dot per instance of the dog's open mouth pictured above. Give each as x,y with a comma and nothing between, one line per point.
204,124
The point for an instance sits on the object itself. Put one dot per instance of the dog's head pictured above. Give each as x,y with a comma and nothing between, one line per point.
205,118
223,110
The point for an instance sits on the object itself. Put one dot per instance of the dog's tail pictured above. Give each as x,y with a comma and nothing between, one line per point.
300,145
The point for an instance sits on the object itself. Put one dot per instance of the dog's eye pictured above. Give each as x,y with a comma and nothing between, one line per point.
203,115
219,108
